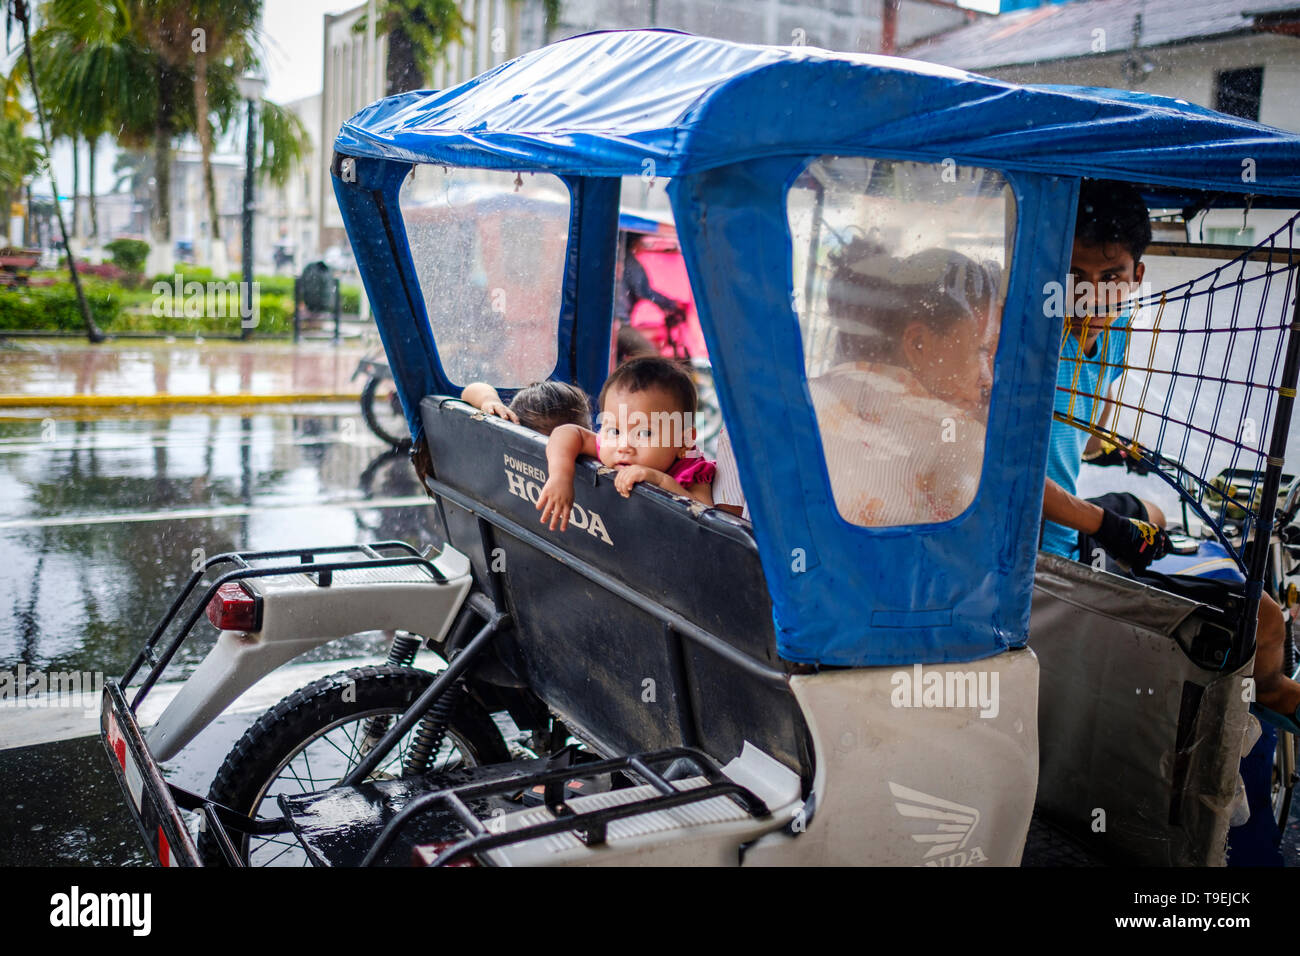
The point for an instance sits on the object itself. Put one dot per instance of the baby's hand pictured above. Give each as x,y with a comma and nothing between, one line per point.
500,410
629,476
555,502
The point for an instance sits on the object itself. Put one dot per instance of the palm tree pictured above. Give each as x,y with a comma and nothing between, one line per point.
92,76
150,71
20,159
20,12
284,142
418,32
161,30
200,48
228,29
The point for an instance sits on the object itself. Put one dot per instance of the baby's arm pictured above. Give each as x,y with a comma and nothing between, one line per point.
485,398
629,476
562,450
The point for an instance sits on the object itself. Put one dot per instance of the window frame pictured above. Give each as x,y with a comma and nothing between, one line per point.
1010,243
557,329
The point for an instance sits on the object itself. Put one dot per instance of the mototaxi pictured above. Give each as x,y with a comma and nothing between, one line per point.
744,693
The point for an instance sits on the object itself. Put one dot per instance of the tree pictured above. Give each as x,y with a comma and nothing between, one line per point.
201,47
222,34
418,32
19,11
160,29
151,71
93,76
20,159
21,155
284,142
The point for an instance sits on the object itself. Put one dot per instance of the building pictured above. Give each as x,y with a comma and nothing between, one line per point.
503,29
287,217
849,25
191,224
1236,56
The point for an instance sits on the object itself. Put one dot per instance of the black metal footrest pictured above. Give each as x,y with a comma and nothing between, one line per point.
590,826
314,818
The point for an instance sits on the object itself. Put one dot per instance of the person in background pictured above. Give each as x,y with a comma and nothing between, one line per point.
1112,231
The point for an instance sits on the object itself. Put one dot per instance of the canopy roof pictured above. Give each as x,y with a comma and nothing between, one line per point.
661,103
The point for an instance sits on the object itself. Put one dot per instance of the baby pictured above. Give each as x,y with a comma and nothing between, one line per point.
647,412
542,406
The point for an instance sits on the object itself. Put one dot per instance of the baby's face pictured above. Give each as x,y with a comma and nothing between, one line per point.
642,428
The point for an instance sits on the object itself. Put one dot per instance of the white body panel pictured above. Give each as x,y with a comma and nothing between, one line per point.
895,785
912,786
298,615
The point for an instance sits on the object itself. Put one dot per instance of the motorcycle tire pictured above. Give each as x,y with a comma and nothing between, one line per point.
333,712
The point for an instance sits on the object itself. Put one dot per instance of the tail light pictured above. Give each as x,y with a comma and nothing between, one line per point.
232,608
425,854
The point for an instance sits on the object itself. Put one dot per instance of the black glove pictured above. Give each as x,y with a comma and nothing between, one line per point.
1131,542
1118,455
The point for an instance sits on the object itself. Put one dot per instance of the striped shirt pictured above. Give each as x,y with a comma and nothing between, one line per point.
726,482
1084,378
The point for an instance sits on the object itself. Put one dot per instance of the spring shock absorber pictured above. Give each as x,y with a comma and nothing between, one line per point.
432,729
401,653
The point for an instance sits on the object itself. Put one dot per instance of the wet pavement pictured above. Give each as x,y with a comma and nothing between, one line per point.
41,367
100,519
102,513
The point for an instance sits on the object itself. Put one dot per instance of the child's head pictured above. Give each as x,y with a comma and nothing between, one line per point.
544,406
647,413
1111,232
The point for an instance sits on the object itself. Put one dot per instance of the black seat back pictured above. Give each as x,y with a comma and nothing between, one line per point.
586,636
1139,731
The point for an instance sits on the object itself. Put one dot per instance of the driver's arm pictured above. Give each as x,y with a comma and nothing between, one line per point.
1070,510
1130,541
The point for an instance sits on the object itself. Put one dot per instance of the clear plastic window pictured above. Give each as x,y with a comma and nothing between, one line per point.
899,279
489,249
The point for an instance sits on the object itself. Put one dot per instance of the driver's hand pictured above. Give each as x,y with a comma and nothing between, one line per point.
1112,454
1132,542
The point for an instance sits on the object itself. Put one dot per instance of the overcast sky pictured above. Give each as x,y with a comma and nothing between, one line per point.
293,31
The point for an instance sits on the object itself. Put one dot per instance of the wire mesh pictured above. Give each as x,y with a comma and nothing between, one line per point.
1194,394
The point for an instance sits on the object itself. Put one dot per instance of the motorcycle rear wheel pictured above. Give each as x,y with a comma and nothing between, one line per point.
310,740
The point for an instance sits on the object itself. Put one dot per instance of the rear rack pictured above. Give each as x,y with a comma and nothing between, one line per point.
371,556
590,826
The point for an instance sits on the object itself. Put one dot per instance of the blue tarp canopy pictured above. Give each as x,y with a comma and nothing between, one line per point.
666,104
733,126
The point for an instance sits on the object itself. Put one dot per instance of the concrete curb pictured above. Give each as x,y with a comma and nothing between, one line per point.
110,401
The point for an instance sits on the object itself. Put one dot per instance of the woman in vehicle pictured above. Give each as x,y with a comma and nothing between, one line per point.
901,412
